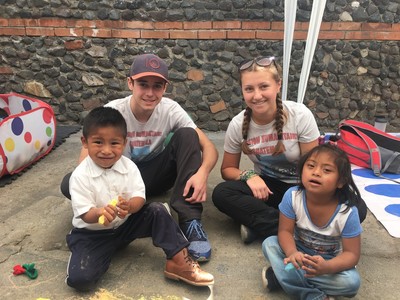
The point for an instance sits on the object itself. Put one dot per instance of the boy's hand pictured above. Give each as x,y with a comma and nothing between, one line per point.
107,214
122,207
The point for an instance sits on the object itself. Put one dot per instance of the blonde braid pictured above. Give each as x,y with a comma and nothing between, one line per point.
245,128
279,122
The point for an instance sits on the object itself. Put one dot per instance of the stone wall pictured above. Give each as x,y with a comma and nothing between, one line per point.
386,11
349,78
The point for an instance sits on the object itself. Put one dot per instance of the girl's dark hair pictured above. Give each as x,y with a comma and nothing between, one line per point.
102,117
280,116
348,193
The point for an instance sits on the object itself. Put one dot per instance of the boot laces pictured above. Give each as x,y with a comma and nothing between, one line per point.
189,260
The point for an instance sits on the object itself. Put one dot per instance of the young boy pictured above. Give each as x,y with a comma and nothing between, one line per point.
101,228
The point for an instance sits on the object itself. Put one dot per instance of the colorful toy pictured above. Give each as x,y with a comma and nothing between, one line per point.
27,269
289,267
113,202
27,132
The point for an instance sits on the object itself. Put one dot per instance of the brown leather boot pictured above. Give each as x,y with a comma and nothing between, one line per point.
183,267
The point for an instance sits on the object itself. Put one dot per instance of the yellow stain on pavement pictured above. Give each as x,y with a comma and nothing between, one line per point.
160,298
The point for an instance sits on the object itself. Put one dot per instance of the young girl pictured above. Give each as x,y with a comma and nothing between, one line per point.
318,242
274,134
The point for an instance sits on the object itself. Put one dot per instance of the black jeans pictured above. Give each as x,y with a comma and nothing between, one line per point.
235,199
170,169
92,250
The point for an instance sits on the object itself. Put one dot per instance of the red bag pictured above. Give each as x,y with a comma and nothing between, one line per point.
369,147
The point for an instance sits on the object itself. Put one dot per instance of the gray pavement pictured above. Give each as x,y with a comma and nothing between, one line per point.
35,218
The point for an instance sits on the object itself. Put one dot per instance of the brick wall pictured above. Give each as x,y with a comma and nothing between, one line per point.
195,30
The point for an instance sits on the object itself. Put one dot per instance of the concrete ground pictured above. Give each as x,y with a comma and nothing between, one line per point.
35,218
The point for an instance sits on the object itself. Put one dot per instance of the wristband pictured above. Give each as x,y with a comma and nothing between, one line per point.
247,174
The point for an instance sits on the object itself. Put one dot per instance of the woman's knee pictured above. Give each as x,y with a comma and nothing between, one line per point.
64,186
219,194
362,210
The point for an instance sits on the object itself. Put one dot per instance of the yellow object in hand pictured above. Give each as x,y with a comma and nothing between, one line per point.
113,202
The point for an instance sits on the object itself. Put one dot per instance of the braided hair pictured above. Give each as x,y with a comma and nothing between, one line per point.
280,116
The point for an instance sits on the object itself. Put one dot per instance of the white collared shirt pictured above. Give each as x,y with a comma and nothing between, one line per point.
94,186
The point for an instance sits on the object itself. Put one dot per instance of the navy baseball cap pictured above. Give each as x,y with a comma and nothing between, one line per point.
148,65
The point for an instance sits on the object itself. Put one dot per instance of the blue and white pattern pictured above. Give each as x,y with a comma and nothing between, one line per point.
382,197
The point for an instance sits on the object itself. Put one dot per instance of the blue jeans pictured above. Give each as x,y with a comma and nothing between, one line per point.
345,283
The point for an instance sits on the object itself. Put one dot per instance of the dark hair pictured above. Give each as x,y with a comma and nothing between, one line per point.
102,117
280,116
348,194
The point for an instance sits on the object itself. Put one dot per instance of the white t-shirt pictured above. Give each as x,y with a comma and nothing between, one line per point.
146,140
93,186
315,240
300,127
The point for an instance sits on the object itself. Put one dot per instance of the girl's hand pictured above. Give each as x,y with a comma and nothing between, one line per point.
314,265
259,188
296,258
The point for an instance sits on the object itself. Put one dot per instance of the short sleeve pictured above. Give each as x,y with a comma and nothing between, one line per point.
286,205
233,135
352,227
82,197
307,125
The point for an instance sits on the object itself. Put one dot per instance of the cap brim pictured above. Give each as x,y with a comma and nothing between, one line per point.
140,75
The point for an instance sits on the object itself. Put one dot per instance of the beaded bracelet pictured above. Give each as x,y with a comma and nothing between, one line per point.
247,174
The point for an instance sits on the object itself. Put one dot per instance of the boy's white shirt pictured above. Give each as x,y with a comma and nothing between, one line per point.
94,186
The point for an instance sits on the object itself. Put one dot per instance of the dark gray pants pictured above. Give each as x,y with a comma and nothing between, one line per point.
92,250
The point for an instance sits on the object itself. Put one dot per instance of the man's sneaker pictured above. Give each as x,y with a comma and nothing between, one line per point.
247,234
199,248
269,280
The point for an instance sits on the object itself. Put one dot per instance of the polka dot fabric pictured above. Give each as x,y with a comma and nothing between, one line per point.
26,134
